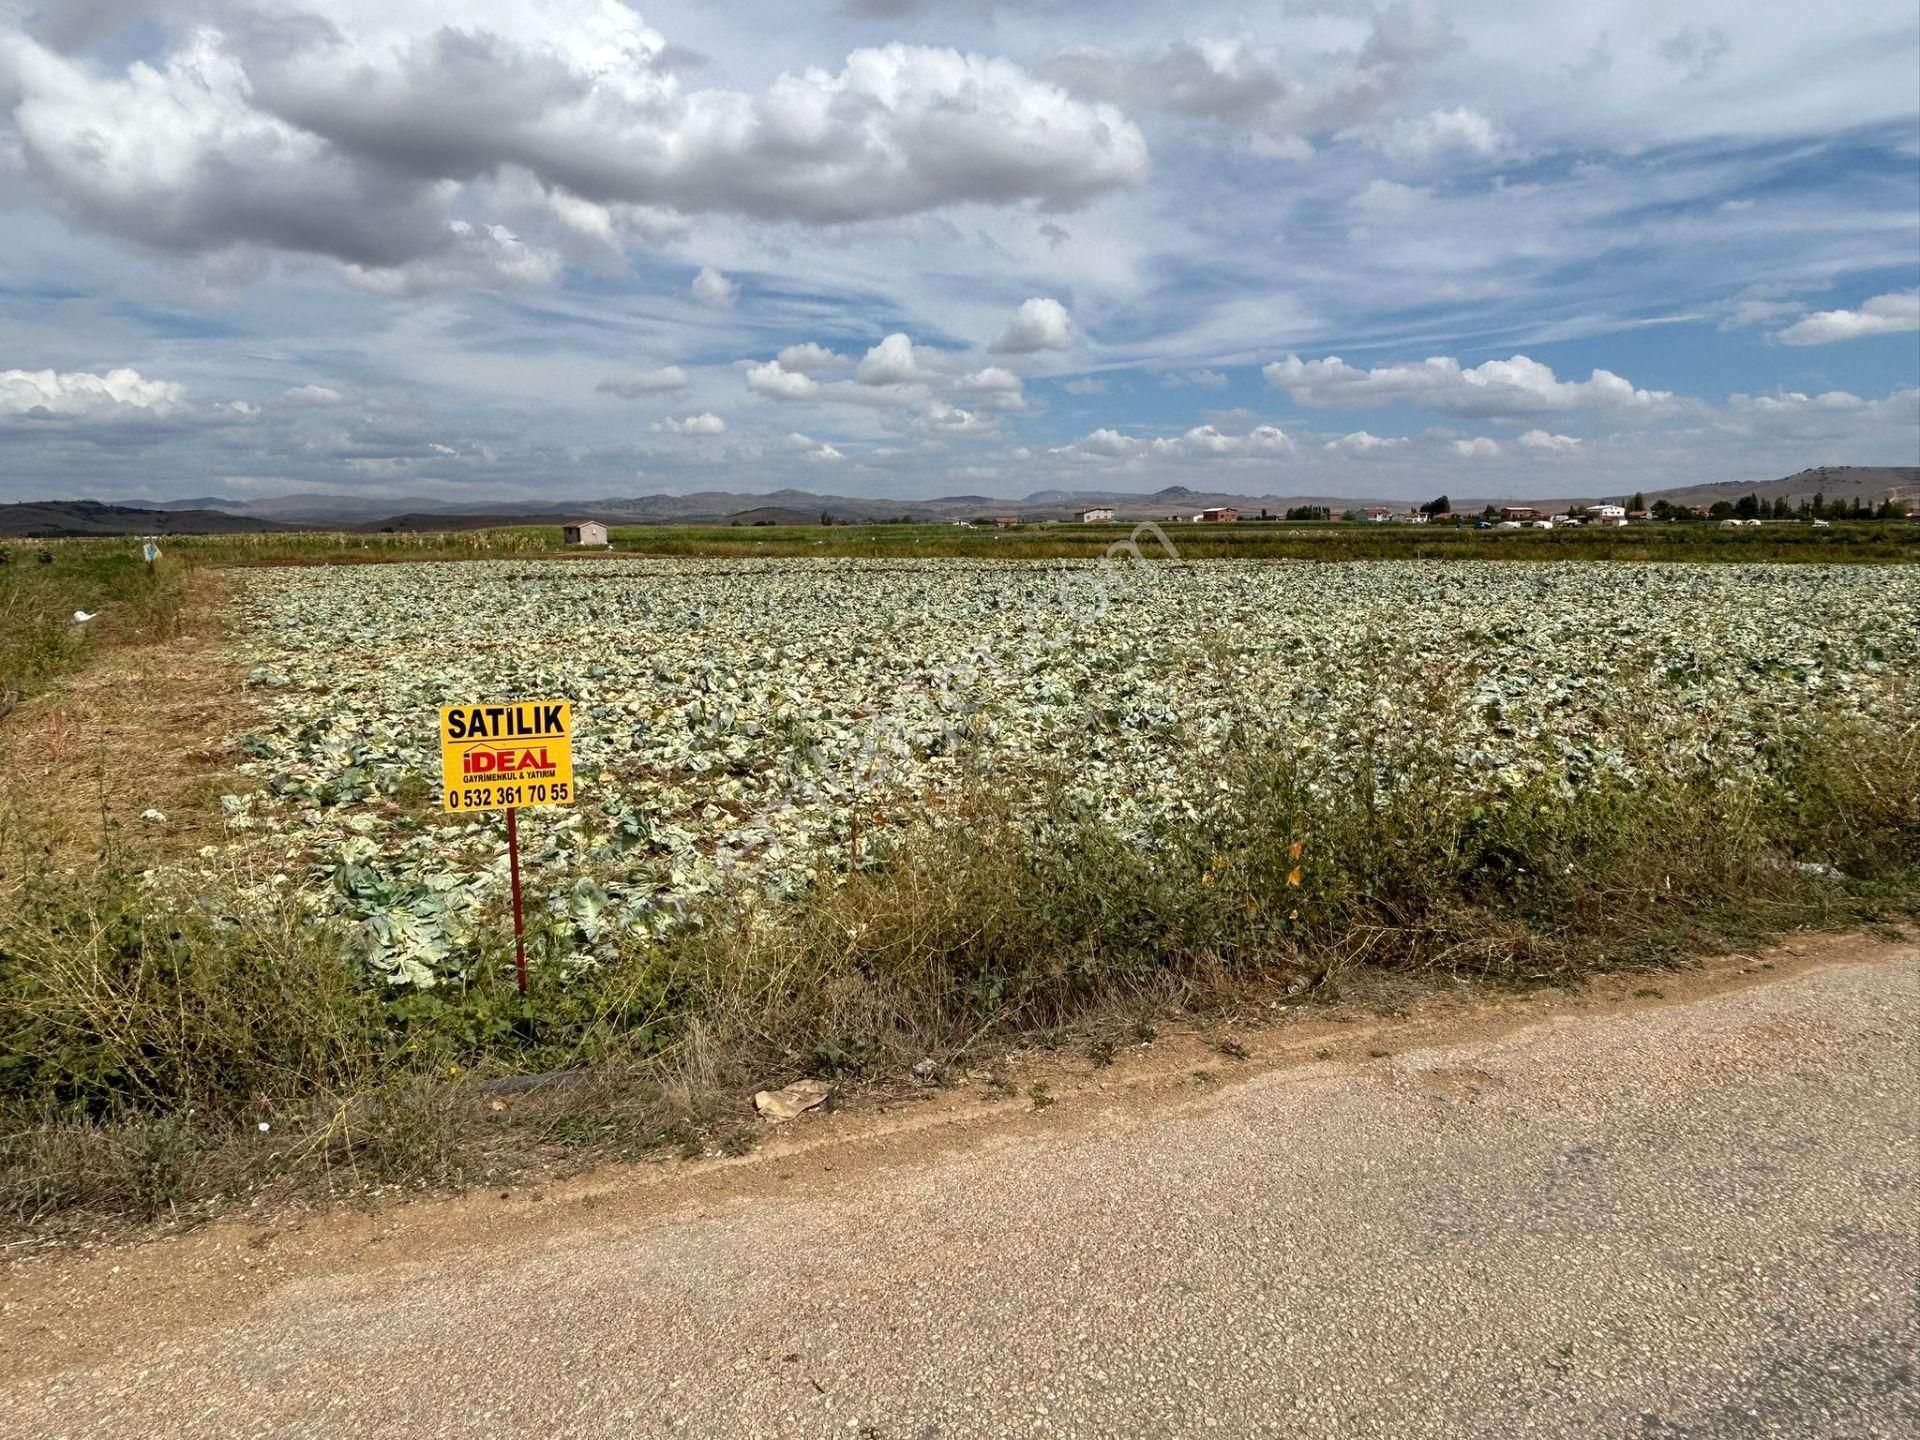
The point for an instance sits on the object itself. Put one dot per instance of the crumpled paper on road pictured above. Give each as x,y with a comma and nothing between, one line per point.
778,1105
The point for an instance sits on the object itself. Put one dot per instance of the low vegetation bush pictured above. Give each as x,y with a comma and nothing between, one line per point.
160,1049
1849,793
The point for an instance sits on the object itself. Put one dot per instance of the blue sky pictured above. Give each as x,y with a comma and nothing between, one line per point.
576,248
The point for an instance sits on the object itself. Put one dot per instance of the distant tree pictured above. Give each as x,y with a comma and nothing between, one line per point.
1490,513
826,517
1439,505
1639,501
1309,512
1748,507
1721,509
1819,505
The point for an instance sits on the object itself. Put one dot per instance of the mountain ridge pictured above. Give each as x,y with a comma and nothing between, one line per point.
318,510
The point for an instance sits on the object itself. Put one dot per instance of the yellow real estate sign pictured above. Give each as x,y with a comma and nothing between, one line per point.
506,756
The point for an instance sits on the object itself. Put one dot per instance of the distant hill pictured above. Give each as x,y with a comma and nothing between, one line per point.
436,520
773,515
197,502
211,515
338,510
1836,482
62,519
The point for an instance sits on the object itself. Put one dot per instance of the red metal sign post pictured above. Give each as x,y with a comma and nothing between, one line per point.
513,869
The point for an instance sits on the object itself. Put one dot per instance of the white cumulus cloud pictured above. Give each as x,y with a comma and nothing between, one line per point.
1281,94
1444,132
1041,323
1496,389
1359,442
939,417
810,358
312,395
813,449
891,362
1103,442
707,424
994,387
1480,447
1796,402
776,382
1889,314
641,383
352,136
1202,442
710,287
1549,443
1206,441
83,395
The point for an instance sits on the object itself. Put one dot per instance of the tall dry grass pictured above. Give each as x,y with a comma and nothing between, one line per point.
146,1037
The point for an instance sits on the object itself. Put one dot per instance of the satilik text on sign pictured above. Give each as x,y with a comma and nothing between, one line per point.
506,756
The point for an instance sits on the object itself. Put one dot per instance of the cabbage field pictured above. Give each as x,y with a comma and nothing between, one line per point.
748,728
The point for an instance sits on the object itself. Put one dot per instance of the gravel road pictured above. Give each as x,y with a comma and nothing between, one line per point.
1691,1220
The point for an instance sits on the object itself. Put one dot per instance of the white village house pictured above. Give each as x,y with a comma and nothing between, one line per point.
1607,514
1096,515
585,532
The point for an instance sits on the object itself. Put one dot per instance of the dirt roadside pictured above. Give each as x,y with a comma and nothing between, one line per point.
62,1308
